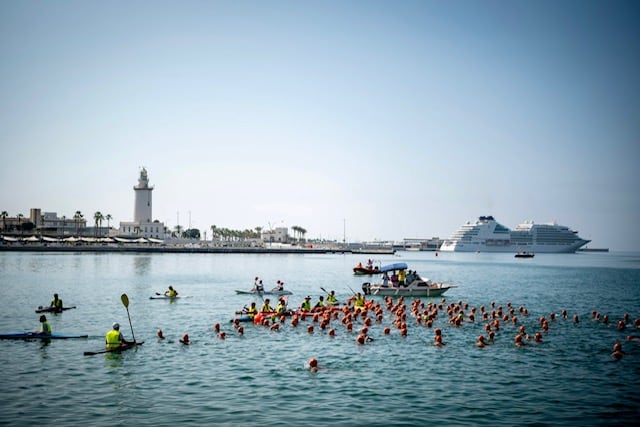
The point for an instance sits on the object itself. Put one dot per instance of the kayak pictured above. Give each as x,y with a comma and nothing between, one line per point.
114,350
48,309
164,297
272,292
34,335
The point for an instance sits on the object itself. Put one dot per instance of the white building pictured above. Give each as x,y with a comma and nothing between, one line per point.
142,224
277,235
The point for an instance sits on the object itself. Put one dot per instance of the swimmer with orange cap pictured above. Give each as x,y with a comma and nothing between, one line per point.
617,351
185,339
481,342
313,364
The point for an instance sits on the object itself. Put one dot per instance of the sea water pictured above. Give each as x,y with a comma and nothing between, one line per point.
262,377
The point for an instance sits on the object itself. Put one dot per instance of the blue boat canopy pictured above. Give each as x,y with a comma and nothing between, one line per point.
396,266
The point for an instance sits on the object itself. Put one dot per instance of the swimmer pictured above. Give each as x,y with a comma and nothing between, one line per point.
313,365
537,337
185,339
481,342
617,351
518,341
160,334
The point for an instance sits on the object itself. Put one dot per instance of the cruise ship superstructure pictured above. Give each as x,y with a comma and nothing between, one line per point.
488,235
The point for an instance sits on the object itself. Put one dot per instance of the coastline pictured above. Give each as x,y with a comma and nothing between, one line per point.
130,248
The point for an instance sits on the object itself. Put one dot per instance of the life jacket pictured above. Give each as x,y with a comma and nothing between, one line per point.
306,305
45,328
266,308
113,339
252,311
57,303
281,308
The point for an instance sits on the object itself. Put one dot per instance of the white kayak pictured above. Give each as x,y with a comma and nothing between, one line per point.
271,292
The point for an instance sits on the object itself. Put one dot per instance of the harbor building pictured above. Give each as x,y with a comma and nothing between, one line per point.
142,225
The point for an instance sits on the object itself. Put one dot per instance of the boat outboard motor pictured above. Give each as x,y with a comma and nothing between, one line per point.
366,288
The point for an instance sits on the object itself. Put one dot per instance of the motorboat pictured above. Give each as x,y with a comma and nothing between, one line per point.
412,284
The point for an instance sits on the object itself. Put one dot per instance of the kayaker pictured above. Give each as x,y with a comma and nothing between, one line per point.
56,303
252,311
172,293
260,287
320,303
281,308
45,328
266,308
331,298
279,286
114,338
306,304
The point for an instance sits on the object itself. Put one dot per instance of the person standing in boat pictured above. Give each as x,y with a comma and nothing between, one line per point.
45,327
114,338
402,275
172,293
385,280
56,303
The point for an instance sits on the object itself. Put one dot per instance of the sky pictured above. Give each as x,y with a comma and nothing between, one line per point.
356,120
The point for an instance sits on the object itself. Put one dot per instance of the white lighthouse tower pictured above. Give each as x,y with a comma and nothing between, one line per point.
143,224
142,208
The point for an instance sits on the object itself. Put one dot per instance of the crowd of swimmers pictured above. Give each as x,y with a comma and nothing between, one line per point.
327,315
333,318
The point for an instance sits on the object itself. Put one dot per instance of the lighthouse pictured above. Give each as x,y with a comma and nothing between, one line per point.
143,205
143,224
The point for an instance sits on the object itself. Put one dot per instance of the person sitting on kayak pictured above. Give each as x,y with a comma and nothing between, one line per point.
320,304
331,298
114,338
266,308
258,286
306,304
279,286
251,311
45,328
281,308
56,303
171,292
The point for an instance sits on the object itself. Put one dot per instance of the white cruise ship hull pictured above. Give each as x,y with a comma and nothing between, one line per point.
487,235
481,247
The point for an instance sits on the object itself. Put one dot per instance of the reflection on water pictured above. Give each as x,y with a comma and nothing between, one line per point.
141,264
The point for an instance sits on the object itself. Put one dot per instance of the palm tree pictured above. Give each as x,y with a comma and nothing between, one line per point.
4,216
108,218
64,224
20,216
214,232
77,217
302,232
178,229
98,217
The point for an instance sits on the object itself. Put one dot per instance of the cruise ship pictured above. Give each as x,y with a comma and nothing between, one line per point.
488,235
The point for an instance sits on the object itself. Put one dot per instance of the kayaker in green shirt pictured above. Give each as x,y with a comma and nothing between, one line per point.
45,328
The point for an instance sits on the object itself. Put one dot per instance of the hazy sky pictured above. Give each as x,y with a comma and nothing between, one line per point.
383,119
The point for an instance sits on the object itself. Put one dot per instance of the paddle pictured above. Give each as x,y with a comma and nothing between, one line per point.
125,302
325,291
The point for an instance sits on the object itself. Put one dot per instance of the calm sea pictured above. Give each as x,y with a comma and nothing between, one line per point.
261,378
